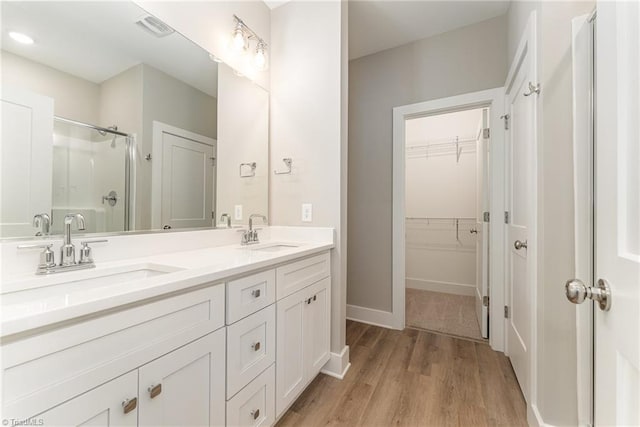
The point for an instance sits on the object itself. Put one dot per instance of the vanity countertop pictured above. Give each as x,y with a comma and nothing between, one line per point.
39,301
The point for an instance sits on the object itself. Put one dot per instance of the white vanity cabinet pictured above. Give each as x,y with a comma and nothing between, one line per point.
165,341
303,322
233,353
182,388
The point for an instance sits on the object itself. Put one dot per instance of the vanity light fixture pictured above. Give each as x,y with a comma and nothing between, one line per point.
241,37
20,37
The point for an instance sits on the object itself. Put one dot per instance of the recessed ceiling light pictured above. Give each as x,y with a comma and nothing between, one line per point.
20,37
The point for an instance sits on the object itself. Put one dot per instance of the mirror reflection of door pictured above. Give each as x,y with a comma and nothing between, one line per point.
25,168
183,178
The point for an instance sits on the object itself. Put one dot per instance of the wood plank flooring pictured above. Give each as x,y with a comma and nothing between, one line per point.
413,378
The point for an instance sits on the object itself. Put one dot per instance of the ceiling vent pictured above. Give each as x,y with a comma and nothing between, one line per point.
153,25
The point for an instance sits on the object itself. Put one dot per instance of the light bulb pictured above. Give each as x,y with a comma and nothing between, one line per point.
260,58
239,41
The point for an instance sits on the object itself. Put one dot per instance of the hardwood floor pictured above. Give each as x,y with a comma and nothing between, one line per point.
413,378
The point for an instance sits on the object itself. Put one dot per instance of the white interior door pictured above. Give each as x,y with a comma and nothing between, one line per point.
183,178
520,191
617,332
482,226
26,151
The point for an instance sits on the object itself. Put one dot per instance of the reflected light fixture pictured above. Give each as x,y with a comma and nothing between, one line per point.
20,37
241,37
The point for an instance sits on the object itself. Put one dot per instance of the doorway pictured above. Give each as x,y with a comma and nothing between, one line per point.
446,196
432,222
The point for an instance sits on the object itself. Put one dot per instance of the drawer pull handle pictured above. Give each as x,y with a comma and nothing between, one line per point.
129,404
154,390
314,297
255,293
255,346
255,413
309,301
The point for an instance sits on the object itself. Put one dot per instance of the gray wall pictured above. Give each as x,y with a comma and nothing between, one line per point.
469,59
556,323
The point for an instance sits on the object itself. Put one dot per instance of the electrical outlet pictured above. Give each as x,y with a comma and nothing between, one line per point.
307,212
237,212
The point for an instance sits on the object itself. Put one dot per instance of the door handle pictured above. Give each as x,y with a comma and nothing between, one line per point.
577,292
519,245
473,231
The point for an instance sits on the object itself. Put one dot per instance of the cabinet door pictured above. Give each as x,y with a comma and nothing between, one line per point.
317,327
102,406
290,369
185,387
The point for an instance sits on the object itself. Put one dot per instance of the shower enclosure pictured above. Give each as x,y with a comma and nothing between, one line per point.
91,176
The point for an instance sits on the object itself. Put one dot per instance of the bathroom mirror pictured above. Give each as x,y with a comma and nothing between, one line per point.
109,112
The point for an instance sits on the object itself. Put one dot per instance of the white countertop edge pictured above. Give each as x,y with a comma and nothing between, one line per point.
152,288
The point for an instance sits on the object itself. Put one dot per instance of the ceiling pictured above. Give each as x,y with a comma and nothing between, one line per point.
98,40
378,25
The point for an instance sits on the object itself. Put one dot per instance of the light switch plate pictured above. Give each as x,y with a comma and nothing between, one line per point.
307,212
237,212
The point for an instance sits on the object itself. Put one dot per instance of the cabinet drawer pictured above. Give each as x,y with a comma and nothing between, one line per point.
250,294
43,370
254,405
251,345
297,275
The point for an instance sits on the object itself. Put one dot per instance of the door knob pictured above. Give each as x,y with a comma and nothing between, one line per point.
519,245
577,292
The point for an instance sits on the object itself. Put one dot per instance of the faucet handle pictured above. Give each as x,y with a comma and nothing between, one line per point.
86,257
47,257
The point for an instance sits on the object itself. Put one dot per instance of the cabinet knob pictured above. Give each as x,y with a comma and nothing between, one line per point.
255,293
129,405
154,390
255,346
255,413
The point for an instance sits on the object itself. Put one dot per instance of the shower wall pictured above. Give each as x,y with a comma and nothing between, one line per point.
441,202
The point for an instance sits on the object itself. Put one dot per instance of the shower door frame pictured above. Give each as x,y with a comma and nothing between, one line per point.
129,164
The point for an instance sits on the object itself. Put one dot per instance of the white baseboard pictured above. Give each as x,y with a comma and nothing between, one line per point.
371,316
534,418
444,287
338,364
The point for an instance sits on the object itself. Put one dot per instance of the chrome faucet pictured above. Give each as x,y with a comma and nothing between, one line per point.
227,217
250,236
42,221
68,250
68,262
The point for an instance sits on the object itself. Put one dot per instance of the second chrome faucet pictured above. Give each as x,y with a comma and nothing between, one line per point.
250,236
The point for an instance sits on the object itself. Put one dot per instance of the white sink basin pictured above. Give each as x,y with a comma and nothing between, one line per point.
273,247
80,281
